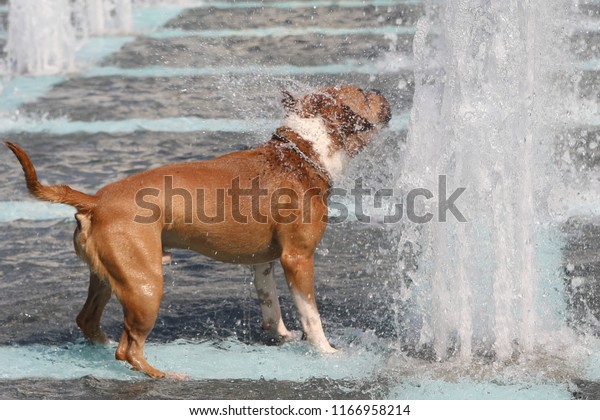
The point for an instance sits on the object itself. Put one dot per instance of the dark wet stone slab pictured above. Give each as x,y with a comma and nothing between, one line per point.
587,390
294,50
582,273
222,96
89,161
44,286
91,388
589,8
588,83
329,17
3,21
585,45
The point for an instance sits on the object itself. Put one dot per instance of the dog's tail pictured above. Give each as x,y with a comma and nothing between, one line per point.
53,193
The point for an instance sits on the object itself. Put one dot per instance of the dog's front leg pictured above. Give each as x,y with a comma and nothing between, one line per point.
299,272
264,282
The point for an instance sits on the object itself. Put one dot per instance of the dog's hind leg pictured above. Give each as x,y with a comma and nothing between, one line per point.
88,320
139,289
299,272
99,291
133,263
264,282
141,310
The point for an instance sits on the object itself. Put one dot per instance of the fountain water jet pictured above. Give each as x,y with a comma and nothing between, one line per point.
41,39
99,17
43,35
483,114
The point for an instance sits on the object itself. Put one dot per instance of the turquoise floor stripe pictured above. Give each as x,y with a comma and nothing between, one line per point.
62,126
96,48
33,210
283,70
22,89
227,359
148,19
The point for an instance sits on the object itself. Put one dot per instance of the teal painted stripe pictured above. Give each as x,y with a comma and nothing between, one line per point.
592,371
23,89
33,210
97,48
62,126
589,65
283,70
280,31
148,19
399,122
223,359
11,211
19,90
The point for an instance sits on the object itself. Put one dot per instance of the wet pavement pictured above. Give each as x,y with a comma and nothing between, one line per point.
44,284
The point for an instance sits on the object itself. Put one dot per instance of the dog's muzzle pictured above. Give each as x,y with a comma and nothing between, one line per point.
385,113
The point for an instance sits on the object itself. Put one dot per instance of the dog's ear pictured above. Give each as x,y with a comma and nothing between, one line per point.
288,101
316,104
352,122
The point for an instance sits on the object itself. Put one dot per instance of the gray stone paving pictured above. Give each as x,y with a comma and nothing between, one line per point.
326,17
220,96
293,50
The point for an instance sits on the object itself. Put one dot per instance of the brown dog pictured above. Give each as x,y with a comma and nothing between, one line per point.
248,207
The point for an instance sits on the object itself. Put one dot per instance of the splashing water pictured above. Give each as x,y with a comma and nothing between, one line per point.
98,17
485,109
44,35
41,39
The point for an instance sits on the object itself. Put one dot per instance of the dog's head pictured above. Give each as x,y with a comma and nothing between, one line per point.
339,121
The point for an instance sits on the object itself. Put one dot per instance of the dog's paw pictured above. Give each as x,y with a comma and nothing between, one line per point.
293,336
322,346
329,350
290,336
175,376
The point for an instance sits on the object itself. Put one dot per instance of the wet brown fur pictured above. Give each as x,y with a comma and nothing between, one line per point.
125,256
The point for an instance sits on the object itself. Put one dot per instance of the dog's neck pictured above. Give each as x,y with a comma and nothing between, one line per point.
314,131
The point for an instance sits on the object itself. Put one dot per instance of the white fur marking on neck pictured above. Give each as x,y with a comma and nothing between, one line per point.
314,131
